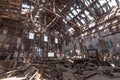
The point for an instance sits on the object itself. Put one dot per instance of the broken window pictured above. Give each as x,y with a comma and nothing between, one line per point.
97,5
86,12
87,3
25,6
71,30
102,2
51,54
71,15
90,17
83,15
71,8
78,17
82,21
56,40
45,38
74,12
31,35
78,10
68,18
112,3
92,25
78,23
104,9
64,21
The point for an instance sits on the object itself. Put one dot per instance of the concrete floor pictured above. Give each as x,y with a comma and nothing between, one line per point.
69,76
100,77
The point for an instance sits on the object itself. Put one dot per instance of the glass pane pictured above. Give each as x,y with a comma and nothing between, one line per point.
51,54
45,38
31,35
56,40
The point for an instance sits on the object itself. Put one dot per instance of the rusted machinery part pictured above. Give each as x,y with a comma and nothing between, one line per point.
86,66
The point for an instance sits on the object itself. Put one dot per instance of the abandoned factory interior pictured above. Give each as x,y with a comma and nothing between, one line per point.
59,39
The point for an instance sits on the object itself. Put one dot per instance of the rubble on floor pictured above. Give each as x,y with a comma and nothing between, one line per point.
63,70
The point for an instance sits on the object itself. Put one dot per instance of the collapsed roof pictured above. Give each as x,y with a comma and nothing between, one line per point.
74,18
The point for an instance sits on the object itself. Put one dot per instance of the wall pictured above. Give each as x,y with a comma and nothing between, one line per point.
112,43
